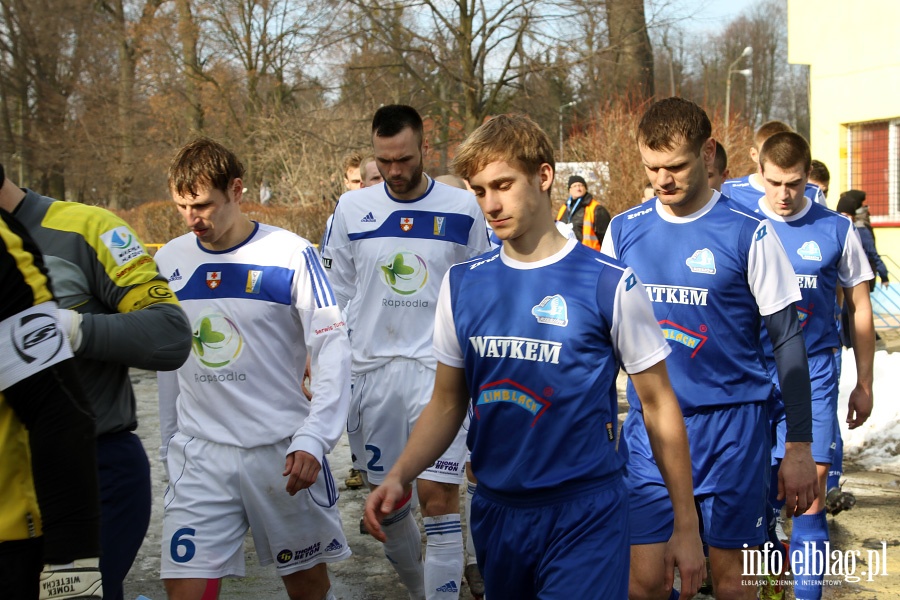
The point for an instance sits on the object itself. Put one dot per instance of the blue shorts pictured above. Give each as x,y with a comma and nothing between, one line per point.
730,459
823,375
554,548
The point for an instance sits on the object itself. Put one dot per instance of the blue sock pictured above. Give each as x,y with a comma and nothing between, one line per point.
675,595
836,471
808,551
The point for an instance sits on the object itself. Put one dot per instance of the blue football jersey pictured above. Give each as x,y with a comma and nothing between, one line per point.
748,190
541,344
710,277
825,251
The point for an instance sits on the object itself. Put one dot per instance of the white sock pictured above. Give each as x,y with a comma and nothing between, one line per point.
329,595
470,543
404,550
443,557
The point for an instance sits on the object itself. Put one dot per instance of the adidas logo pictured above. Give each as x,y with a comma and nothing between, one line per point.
334,546
176,276
369,218
450,586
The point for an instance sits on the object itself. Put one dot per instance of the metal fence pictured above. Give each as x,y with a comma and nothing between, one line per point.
886,300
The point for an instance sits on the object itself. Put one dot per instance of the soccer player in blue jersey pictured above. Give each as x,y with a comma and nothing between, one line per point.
825,252
713,271
536,332
749,189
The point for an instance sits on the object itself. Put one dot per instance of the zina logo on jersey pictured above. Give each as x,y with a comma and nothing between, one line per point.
405,272
552,311
217,341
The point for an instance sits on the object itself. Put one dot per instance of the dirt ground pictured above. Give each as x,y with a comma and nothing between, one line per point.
872,525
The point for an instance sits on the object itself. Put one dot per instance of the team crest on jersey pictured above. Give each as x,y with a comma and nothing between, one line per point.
810,251
406,223
405,272
213,279
552,311
508,392
254,281
702,261
217,341
122,244
682,335
440,226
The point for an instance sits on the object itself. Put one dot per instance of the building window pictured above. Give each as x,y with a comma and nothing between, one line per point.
873,160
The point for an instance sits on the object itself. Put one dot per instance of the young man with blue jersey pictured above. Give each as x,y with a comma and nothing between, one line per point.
713,271
243,447
536,332
825,252
749,189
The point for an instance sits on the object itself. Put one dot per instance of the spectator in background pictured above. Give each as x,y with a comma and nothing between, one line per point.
265,192
852,204
819,176
585,215
718,171
649,192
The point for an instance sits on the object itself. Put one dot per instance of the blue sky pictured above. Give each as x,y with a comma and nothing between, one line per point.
700,15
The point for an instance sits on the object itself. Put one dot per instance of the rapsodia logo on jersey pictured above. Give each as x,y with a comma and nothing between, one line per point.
217,341
405,272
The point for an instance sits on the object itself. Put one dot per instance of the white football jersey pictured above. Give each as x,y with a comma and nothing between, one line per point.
255,309
389,256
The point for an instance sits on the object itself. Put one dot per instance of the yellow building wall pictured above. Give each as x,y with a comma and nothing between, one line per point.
853,49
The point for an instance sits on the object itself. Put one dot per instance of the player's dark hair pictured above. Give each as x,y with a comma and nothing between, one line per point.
672,121
819,172
392,119
720,162
785,150
202,164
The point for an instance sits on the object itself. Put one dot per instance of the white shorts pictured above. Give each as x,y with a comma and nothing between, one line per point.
385,406
216,492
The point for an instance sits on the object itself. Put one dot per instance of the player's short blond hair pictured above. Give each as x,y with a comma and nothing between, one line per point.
513,138
351,160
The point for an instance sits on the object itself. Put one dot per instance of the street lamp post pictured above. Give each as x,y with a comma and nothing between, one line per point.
731,69
561,108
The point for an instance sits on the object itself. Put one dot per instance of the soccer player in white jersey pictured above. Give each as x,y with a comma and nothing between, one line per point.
242,445
825,252
713,270
536,332
389,247
749,189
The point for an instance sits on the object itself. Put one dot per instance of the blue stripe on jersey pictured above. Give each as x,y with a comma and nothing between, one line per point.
420,224
320,284
211,281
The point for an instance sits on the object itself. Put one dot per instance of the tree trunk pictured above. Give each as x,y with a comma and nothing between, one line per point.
630,44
